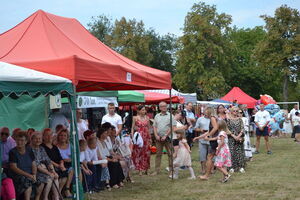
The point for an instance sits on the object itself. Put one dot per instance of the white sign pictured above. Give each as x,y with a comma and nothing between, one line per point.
95,102
55,101
128,77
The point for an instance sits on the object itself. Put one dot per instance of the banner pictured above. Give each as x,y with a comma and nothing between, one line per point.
95,102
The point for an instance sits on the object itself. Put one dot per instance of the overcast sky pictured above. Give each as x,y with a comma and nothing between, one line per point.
165,16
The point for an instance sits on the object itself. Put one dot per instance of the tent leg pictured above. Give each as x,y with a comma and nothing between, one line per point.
74,147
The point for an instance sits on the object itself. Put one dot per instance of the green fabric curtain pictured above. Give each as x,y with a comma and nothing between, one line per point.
24,112
32,88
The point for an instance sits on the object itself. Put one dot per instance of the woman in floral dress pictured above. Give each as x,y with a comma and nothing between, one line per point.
236,141
141,155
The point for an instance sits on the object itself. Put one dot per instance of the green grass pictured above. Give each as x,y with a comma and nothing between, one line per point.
267,177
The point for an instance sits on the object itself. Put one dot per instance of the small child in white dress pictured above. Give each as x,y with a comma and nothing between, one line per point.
183,156
124,148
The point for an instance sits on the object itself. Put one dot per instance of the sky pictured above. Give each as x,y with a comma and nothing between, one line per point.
165,16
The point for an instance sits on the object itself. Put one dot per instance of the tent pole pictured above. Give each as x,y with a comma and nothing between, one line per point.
1,166
171,132
78,195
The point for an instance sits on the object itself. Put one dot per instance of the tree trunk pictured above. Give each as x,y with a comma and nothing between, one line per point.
285,90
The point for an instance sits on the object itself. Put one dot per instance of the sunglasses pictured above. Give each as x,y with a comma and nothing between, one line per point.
4,133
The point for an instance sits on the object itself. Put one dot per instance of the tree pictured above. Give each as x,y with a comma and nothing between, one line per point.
102,27
247,72
279,52
131,39
205,52
163,49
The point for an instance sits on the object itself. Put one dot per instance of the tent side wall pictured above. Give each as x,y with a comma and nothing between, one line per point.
24,112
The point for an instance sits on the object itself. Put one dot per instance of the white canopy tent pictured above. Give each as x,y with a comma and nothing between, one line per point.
188,97
212,103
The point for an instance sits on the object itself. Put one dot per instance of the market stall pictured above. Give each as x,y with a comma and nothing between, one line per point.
17,81
62,46
236,95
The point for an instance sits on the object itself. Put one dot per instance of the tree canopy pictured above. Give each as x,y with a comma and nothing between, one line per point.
212,56
279,52
205,50
130,38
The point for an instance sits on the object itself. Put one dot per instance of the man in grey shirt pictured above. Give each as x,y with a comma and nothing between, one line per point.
162,131
202,126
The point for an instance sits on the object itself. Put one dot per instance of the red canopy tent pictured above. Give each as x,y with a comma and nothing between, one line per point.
240,96
63,47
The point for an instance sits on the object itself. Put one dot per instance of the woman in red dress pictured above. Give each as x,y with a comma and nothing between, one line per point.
141,155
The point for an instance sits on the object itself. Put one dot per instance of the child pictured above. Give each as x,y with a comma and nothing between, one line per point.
182,157
94,164
125,146
223,156
83,164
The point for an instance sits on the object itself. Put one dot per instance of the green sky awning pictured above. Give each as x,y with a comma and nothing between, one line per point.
131,96
123,96
99,94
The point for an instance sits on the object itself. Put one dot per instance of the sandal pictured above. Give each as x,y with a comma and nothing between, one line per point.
205,178
226,178
68,194
128,179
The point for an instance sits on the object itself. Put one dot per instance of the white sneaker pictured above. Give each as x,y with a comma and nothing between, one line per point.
242,170
168,169
174,176
192,178
231,171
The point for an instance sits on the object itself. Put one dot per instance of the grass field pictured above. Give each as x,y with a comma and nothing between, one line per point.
271,177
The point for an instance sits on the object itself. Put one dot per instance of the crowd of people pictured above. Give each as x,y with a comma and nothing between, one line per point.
38,164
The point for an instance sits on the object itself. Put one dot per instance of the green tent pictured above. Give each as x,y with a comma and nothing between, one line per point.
22,92
131,96
24,112
17,81
123,96
126,96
